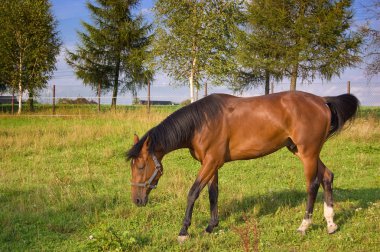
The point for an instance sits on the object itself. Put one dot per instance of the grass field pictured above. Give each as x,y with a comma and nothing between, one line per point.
64,186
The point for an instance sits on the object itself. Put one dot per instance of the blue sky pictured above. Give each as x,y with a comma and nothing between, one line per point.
69,14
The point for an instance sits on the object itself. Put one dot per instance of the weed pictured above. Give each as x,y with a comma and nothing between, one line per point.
249,234
110,239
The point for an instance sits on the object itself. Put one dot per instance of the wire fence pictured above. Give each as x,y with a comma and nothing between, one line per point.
74,99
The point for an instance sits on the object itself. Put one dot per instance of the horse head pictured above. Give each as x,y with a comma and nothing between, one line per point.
146,171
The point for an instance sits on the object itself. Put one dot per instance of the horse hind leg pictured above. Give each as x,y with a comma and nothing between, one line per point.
312,185
317,173
327,182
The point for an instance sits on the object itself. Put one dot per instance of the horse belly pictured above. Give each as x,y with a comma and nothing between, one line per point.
253,141
255,149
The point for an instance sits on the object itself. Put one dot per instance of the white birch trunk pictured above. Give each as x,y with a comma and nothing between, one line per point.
19,97
191,80
20,86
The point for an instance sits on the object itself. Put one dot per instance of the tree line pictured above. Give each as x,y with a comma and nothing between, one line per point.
240,44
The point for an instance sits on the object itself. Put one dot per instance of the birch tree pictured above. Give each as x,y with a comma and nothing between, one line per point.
371,32
305,38
194,40
29,45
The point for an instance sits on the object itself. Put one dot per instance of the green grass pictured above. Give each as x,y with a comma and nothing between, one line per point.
64,186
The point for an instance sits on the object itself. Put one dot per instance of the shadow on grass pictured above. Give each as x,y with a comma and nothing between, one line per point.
266,204
359,198
269,203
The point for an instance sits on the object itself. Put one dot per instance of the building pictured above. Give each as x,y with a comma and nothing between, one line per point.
145,102
7,99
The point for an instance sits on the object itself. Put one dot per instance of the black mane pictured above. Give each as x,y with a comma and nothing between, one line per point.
179,128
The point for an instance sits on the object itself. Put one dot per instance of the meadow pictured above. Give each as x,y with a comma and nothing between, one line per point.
64,186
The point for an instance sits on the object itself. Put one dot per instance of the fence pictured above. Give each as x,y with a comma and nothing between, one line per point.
57,96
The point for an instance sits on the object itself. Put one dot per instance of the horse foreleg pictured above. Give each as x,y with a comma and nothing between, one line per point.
327,182
191,198
312,185
213,198
205,175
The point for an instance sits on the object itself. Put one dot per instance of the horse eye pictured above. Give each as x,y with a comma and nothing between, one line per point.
140,166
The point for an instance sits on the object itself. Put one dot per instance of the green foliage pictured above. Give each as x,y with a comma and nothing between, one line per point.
298,38
29,44
3,87
185,102
114,49
109,239
371,34
75,101
194,39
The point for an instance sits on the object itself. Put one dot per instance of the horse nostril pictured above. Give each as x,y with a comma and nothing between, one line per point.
138,201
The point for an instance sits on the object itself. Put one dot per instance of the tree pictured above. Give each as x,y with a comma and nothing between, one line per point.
302,38
114,49
194,40
257,52
29,45
372,41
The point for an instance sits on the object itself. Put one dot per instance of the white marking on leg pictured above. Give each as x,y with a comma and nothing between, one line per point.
182,238
329,216
304,225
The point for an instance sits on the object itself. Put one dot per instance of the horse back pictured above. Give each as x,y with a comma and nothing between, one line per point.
256,126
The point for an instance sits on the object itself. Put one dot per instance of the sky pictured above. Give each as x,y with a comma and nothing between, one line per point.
70,14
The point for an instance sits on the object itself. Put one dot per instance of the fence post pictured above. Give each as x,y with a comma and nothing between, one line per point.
148,98
205,88
348,87
13,102
99,90
53,99
271,87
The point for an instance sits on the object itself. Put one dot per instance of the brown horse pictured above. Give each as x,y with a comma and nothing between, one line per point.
221,128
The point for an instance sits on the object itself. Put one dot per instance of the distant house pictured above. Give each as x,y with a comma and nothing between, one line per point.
145,102
7,99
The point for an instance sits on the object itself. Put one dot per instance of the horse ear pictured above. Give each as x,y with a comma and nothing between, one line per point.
135,139
146,144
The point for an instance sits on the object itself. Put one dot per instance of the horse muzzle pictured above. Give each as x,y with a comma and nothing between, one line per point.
140,202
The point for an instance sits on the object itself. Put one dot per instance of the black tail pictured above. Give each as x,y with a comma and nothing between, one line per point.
343,108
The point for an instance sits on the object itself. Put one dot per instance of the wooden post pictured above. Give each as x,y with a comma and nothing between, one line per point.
348,87
99,90
271,87
148,98
13,102
53,99
205,88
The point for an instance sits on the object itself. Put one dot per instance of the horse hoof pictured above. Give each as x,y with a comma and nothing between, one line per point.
301,231
182,238
205,233
306,223
332,228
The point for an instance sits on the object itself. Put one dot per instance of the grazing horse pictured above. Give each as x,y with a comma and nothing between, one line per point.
221,128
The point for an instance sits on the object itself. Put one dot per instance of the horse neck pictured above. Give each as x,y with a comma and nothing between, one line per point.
160,153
